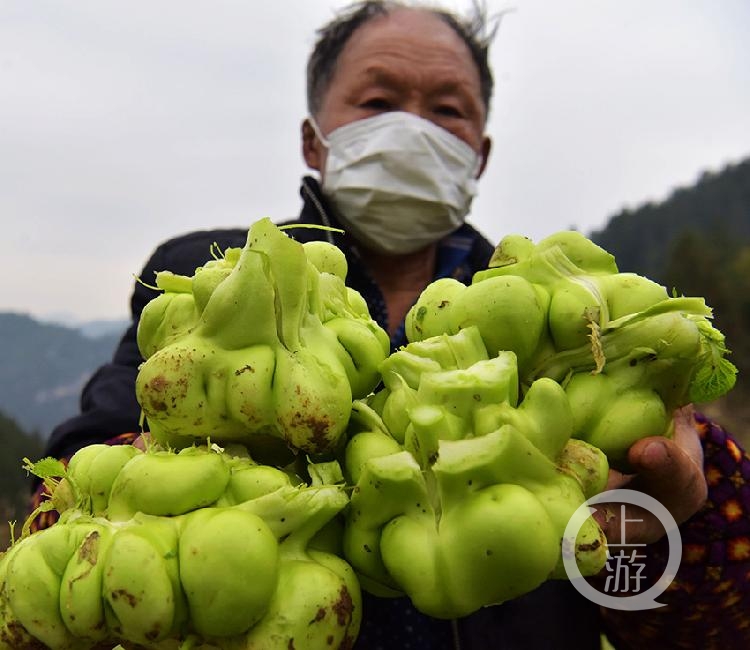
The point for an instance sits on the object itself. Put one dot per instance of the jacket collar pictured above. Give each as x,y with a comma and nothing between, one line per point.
316,208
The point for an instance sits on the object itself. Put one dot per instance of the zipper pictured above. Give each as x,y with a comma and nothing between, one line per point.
456,635
319,207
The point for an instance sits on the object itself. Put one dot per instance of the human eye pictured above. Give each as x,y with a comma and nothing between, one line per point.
376,104
449,110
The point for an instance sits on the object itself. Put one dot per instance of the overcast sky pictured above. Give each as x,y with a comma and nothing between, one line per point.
125,123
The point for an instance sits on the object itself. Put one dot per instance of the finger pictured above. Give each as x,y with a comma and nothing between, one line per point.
142,441
686,433
671,470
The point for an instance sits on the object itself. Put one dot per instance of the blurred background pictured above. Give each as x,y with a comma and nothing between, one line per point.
123,124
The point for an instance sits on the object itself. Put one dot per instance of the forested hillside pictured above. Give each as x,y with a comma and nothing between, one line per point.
15,485
716,208
697,242
43,369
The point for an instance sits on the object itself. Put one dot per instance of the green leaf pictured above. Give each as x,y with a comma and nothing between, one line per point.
45,468
717,375
326,473
713,380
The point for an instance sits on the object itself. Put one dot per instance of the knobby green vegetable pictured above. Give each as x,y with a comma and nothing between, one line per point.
564,309
119,481
487,434
229,577
259,346
466,505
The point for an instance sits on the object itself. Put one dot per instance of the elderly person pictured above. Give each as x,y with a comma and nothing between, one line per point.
398,99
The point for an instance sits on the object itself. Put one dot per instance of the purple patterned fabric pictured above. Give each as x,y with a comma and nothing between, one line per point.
708,604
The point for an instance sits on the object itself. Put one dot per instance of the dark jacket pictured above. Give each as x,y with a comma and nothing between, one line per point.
555,616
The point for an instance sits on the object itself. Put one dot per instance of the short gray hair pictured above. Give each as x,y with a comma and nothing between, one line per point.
333,36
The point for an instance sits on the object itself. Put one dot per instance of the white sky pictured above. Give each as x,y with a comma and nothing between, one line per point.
125,123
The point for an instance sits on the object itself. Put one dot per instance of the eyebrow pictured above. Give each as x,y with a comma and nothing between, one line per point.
383,76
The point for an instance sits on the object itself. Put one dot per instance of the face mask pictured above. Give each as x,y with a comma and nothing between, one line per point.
398,182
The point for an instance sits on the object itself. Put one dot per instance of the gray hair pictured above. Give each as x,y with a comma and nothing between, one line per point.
334,35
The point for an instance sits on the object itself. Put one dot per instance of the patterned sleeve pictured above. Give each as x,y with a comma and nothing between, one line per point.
707,606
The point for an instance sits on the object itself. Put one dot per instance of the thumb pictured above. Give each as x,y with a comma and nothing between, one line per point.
670,471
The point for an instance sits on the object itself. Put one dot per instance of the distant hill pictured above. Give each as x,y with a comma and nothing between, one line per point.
90,328
716,208
43,368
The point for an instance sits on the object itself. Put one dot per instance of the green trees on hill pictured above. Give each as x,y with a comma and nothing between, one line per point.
717,208
15,485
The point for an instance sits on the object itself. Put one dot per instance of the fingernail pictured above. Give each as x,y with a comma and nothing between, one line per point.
654,454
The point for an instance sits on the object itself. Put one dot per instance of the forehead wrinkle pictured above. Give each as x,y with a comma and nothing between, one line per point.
439,79
412,34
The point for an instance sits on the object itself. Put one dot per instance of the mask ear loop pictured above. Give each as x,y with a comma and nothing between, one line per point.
319,134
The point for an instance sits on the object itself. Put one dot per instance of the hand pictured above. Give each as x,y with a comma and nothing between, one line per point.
142,441
669,470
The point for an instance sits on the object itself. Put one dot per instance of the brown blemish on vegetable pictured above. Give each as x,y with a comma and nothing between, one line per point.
319,615
154,633
347,643
318,428
343,607
16,636
89,551
123,593
585,548
247,368
157,386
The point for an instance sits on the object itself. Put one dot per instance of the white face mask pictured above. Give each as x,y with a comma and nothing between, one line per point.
398,182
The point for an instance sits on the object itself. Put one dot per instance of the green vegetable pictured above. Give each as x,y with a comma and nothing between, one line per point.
481,525
492,426
143,598
465,505
509,312
241,548
270,352
157,482
32,586
564,309
219,577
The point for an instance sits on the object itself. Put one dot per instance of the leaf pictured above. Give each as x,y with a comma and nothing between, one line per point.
716,375
45,468
329,473
713,380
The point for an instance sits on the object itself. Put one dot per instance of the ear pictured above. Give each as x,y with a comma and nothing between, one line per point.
484,153
310,146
